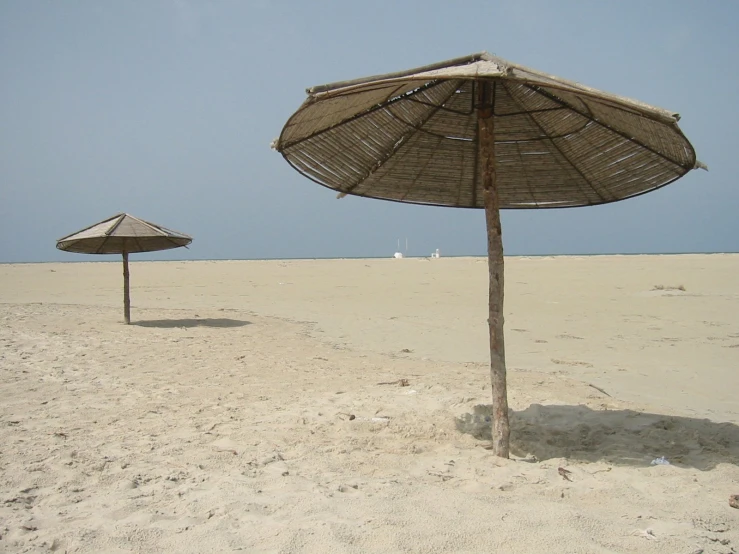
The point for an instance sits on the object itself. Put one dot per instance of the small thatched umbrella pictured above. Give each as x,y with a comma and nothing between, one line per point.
482,132
123,234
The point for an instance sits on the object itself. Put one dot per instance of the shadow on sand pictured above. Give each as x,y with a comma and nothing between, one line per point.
204,322
619,437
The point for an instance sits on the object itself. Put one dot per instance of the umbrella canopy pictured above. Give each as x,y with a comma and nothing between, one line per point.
412,137
482,132
122,233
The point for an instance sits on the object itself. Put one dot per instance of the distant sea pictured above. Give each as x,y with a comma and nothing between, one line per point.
115,258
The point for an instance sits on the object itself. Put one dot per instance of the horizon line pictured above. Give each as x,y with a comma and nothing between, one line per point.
369,257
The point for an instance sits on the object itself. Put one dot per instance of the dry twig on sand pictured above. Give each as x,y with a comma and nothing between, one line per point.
600,390
401,382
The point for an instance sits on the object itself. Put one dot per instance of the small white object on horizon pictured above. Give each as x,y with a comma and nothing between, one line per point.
398,254
436,254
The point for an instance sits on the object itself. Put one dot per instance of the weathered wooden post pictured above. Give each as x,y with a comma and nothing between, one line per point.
126,296
486,158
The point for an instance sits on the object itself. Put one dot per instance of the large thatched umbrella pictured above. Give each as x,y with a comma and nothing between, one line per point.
123,234
482,132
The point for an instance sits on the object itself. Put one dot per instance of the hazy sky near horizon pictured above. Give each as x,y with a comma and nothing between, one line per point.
166,109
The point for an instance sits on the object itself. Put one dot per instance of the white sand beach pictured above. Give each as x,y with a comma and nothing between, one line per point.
256,406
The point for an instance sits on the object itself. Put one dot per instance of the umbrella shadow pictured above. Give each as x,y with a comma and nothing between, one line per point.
619,437
200,322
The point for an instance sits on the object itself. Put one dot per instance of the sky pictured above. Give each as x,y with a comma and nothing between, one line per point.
166,109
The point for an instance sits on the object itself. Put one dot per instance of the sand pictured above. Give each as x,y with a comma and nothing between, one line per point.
256,406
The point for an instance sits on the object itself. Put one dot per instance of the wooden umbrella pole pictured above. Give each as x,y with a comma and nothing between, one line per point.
486,156
126,296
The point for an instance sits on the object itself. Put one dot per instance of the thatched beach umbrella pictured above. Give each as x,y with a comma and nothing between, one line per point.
123,234
482,132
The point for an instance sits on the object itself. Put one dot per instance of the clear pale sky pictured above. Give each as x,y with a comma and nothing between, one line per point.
166,109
